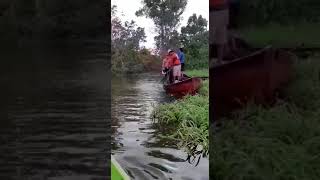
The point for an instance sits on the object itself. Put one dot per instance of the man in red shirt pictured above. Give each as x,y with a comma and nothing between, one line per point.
172,62
218,23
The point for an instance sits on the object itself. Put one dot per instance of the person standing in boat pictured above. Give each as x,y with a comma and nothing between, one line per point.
181,58
166,69
172,63
219,20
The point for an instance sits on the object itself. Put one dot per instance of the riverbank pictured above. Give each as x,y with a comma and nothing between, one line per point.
281,142
190,116
198,73
283,36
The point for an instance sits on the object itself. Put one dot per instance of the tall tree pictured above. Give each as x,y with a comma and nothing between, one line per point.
166,15
195,39
196,30
126,43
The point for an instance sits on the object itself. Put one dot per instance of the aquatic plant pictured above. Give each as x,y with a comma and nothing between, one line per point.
190,116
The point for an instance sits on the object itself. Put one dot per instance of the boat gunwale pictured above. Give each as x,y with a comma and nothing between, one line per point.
243,58
119,169
180,82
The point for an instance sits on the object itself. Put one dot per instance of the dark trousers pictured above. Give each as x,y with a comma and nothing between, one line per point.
233,16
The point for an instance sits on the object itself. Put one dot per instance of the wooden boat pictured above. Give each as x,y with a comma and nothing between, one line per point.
188,85
255,77
117,173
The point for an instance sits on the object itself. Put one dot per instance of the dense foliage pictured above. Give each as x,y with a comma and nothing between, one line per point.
288,36
260,12
128,56
193,37
51,19
195,41
166,15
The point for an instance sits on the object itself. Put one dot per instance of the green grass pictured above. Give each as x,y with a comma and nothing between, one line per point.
281,142
191,117
198,72
204,90
283,36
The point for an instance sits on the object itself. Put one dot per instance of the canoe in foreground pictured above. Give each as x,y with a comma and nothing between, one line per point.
117,173
187,86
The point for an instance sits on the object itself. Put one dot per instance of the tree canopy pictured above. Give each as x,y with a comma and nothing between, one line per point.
194,37
128,55
166,15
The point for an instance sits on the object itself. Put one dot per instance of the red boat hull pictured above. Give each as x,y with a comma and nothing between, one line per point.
189,86
256,77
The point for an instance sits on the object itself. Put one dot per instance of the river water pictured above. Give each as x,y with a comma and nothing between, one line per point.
135,143
54,113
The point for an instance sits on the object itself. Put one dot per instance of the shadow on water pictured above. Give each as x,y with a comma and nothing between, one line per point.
135,139
54,113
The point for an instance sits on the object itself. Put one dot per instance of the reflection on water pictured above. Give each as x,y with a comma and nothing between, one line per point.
135,142
54,123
